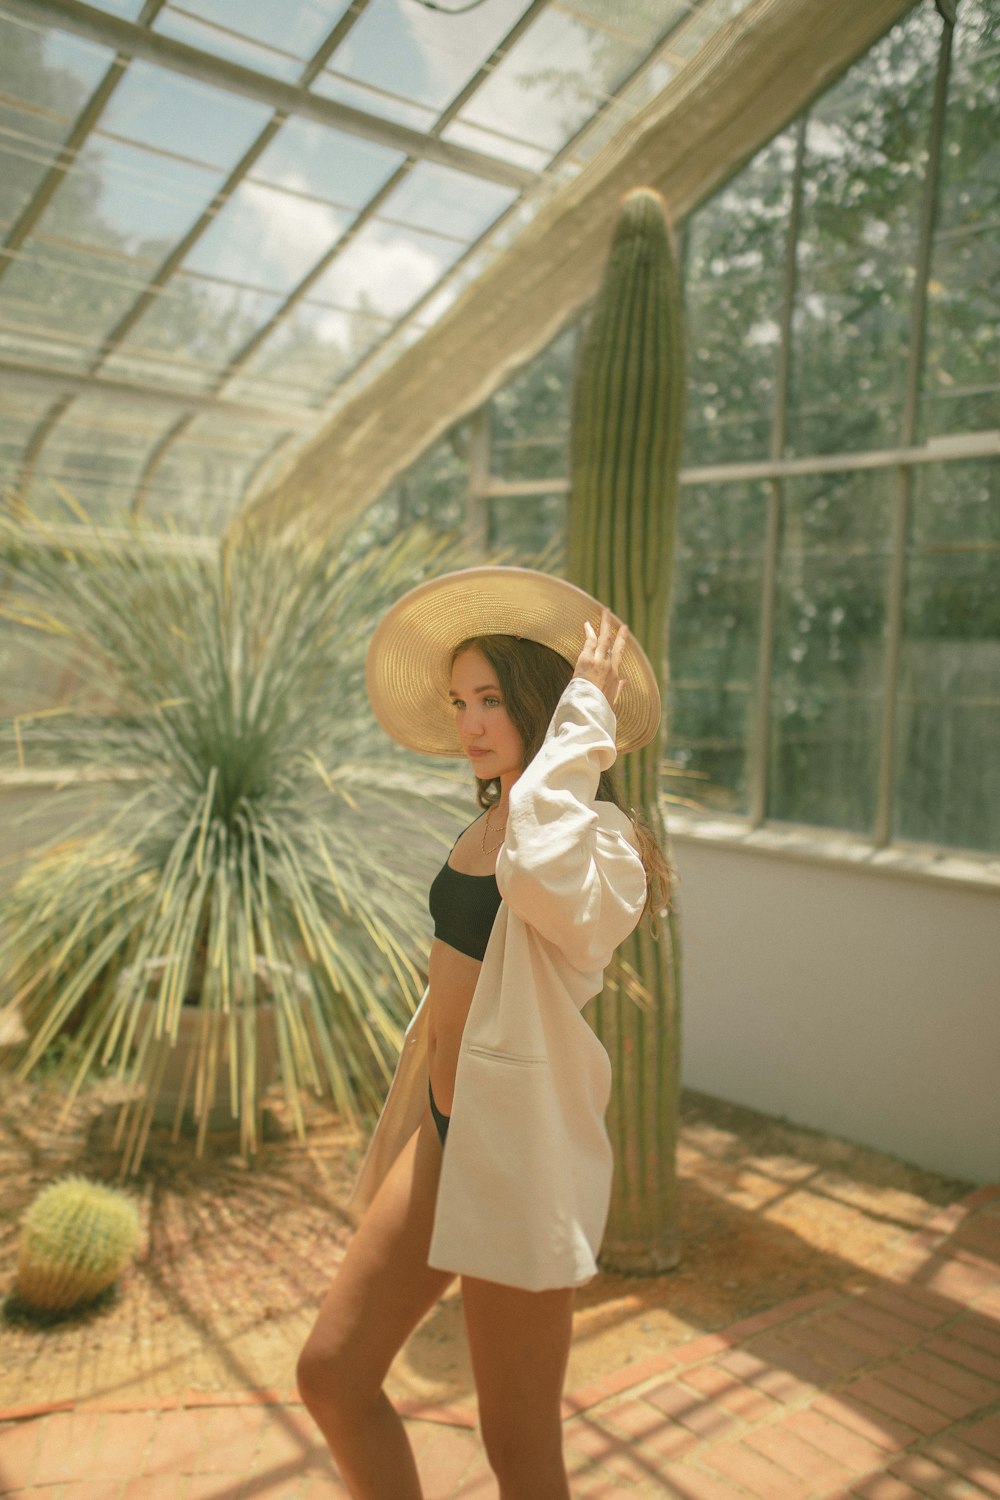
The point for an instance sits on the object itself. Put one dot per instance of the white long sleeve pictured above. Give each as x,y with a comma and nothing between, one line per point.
579,882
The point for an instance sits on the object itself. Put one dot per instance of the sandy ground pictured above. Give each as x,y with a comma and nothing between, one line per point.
236,1258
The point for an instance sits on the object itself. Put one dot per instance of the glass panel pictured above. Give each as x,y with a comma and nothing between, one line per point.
28,147
435,489
266,238
551,81
190,332
375,102
154,107
420,54
99,462
530,416
948,745
53,76
969,192
275,39
642,21
733,293
656,29
714,642
955,507
226,44
504,146
305,354
197,487
383,272
287,448
308,158
441,200
127,9
57,305
35,674
865,157
296,26
962,374
524,526
144,421
828,649
532,458
437,305
123,196
50,70
230,434
20,414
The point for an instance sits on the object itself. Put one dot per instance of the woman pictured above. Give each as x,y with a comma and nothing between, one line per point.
491,1160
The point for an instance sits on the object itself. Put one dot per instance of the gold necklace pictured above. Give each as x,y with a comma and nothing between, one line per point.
488,830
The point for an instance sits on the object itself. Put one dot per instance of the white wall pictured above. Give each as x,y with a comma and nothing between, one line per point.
861,1003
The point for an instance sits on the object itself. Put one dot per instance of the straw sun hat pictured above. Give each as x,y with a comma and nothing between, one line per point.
408,669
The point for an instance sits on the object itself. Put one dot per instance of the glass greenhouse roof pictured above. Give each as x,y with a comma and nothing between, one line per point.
221,217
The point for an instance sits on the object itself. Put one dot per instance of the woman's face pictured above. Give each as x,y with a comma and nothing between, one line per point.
488,736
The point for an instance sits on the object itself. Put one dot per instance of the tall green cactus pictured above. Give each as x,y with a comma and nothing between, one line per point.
628,412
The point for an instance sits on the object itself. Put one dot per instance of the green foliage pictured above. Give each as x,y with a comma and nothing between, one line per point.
265,840
77,1237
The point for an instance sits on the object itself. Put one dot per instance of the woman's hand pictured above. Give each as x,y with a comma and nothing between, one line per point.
600,657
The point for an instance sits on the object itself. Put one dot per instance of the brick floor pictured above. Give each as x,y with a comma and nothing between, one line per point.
890,1391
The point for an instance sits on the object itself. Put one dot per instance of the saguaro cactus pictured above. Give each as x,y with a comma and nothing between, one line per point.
628,402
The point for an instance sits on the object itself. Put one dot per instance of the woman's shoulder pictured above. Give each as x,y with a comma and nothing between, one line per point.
475,850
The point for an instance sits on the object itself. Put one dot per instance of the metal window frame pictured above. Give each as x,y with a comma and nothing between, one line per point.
905,460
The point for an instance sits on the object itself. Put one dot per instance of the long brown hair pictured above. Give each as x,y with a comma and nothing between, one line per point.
532,678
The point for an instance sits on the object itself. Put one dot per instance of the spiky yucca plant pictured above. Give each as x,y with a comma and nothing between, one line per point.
266,841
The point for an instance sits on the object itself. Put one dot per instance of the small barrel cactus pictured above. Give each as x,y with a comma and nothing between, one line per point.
76,1239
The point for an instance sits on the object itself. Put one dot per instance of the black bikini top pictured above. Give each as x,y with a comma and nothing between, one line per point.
464,908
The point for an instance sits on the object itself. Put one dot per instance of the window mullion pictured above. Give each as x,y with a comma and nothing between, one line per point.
896,580
761,729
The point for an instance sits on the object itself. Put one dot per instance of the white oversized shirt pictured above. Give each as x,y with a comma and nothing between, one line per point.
526,1172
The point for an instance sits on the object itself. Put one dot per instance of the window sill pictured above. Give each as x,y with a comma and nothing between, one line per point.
962,868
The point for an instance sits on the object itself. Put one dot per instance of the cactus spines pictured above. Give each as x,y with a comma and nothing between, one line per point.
627,424
76,1239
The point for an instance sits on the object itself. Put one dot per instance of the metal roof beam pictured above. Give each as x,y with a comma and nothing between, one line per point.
152,46
49,378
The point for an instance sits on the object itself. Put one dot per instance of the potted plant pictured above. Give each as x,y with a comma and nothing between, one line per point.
257,875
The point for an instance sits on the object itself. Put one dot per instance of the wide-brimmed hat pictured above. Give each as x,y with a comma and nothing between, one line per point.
408,669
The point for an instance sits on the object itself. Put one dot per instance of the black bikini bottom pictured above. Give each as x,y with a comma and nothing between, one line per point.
440,1120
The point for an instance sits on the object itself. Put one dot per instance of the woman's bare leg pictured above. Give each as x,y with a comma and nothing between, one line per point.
382,1290
519,1342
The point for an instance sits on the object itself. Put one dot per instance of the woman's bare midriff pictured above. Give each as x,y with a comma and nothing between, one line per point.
451,981
451,978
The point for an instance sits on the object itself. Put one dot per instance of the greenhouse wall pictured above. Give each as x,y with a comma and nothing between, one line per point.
857,1002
